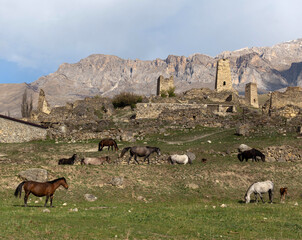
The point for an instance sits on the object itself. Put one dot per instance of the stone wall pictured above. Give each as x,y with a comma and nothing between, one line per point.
153,110
292,96
223,76
14,130
164,84
251,95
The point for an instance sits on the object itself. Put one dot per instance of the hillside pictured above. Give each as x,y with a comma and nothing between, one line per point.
272,68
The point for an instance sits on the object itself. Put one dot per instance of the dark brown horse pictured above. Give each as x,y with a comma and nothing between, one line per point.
68,161
253,154
108,142
40,189
144,151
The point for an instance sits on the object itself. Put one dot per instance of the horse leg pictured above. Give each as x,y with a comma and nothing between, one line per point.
256,197
46,200
270,194
147,157
135,156
51,197
131,155
26,198
261,197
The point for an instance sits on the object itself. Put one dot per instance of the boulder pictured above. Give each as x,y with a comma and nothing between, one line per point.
90,197
117,181
34,174
243,147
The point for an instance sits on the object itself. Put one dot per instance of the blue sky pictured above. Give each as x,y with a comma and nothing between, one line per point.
37,36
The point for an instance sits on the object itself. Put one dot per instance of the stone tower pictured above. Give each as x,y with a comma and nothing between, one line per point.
164,84
43,105
223,76
251,95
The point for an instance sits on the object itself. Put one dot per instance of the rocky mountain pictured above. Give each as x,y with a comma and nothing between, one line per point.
272,68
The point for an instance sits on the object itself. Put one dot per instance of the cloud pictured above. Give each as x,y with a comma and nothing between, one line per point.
44,34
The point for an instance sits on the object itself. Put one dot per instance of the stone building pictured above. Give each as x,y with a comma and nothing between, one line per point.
251,95
164,84
223,76
13,130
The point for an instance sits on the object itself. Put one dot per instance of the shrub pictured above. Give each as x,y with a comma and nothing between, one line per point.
163,94
126,99
171,92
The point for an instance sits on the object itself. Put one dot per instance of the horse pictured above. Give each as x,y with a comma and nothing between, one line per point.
140,151
108,142
253,153
179,159
283,193
259,188
67,161
40,189
95,160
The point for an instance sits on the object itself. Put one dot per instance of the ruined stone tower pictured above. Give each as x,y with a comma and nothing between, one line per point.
164,84
251,95
43,105
223,76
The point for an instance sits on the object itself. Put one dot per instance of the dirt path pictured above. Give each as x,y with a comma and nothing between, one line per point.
193,139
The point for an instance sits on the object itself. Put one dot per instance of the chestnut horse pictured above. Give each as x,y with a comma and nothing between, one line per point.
108,142
40,189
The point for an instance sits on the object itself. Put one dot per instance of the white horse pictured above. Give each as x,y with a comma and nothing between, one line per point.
259,188
95,160
179,159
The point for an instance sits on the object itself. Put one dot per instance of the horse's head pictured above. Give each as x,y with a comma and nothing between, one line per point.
64,183
158,151
247,198
263,158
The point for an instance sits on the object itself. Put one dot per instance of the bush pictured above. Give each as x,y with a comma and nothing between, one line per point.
126,99
163,94
171,92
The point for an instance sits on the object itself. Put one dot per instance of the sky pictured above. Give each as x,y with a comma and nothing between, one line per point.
37,36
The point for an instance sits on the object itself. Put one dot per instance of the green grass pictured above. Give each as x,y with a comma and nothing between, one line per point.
155,201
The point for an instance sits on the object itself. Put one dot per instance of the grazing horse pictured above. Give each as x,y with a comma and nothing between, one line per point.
40,189
138,151
283,193
179,159
253,153
259,188
108,142
67,161
95,160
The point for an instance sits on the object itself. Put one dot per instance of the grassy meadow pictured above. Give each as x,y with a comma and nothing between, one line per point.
155,201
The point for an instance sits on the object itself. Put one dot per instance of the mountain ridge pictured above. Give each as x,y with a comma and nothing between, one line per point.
272,68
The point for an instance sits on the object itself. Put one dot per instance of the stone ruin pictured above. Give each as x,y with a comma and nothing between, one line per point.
43,105
164,85
287,104
251,95
223,76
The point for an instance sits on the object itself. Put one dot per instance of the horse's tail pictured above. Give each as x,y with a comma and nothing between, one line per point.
115,145
240,157
124,151
19,189
100,145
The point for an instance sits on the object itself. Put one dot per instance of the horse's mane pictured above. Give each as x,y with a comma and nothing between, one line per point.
249,188
58,179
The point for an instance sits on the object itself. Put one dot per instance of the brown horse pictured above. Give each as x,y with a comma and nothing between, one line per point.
40,189
140,151
108,142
